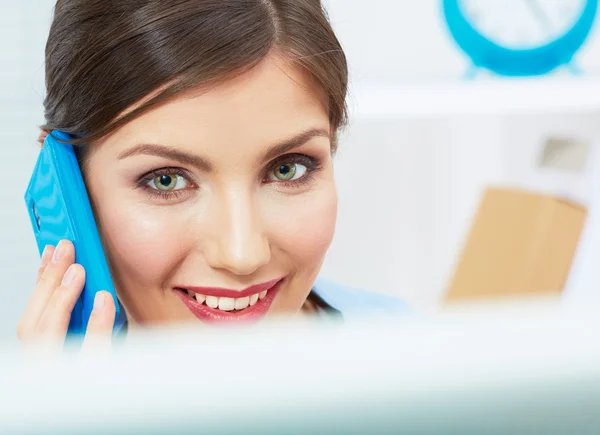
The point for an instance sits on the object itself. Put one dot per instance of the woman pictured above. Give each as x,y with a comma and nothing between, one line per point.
205,131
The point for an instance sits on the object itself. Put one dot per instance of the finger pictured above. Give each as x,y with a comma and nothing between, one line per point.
55,319
62,257
46,256
98,335
25,319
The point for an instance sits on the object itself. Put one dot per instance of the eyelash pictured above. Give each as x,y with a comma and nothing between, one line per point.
312,166
172,194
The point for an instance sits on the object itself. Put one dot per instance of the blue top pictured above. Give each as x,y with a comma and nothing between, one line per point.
351,302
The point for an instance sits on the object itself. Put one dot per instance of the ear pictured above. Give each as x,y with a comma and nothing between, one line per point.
42,137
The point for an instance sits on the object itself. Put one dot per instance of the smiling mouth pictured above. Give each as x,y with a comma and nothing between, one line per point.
228,304
218,305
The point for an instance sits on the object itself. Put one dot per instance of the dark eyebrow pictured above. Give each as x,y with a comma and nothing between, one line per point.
295,142
205,165
168,153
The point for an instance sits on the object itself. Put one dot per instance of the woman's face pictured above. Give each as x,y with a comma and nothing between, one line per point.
210,200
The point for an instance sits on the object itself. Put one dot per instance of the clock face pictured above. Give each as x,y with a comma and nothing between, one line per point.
522,24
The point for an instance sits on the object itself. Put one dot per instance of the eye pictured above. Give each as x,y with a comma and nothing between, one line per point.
168,182
288,172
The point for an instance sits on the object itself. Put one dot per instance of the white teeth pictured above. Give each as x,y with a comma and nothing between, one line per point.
242,303
212,301
253,300
226,304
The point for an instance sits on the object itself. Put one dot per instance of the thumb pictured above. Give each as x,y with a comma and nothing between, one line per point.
100,325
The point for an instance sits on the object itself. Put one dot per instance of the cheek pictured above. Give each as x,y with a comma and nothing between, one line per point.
144,247
303,227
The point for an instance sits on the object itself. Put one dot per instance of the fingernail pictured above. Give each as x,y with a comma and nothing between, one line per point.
69,276
58,252
46,255
99,301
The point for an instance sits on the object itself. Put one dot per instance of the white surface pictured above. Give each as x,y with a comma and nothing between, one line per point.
456,374
480,97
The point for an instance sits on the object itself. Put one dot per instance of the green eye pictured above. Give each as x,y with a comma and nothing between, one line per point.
168,182
288,172
165,182
285,172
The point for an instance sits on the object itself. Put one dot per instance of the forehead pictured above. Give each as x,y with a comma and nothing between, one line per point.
274,100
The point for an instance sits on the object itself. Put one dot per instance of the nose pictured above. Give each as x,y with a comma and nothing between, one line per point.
238,242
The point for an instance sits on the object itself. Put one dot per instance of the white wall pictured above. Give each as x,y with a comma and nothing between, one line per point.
23,29
407,189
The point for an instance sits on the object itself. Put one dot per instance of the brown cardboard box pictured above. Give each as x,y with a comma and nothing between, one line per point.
521,244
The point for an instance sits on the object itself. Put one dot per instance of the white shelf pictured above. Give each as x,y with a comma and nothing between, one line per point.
486,96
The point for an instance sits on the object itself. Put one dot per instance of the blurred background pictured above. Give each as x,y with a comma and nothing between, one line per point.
429,135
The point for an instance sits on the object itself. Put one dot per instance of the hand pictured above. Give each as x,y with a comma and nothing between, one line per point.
58,286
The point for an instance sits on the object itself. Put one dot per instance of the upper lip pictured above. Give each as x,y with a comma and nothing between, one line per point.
229,293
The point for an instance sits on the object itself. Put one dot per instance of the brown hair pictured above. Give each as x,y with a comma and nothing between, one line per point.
102,56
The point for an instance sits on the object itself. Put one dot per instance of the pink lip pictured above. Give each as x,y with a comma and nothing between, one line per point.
212,315
227,293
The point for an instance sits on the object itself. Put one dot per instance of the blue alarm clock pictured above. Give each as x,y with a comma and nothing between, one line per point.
520,37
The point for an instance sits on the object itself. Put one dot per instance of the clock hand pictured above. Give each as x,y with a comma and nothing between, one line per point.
541,15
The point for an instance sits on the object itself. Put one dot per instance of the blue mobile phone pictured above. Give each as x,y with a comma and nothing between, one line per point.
59,208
